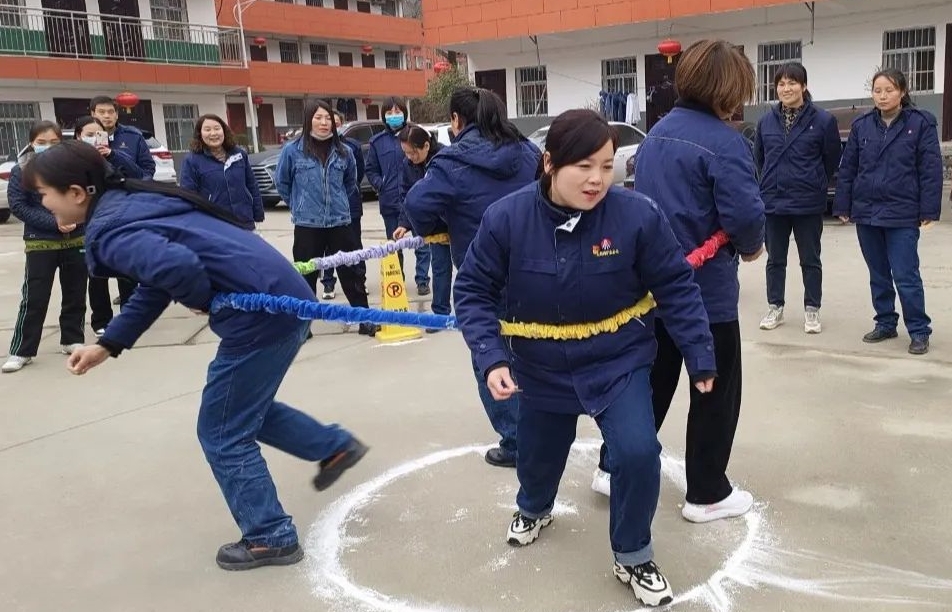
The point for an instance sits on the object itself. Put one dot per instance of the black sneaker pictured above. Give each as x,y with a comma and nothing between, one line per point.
648,583
368,329
334,467
423,289
500,458
879,334
524,530
243,555
919,346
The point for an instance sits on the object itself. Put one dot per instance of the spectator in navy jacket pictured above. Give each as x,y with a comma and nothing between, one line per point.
574,250
797,150
385,161
91,131
489,159
220,171
700,171
890,185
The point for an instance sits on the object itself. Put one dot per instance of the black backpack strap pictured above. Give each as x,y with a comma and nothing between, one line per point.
175,191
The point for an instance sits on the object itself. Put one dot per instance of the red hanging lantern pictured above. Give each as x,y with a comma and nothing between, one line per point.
257,101
259,41
367,49
441,66
669,48
367,101
127,100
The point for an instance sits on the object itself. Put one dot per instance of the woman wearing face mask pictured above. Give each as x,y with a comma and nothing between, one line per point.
91,131
219,170
385,163
50,247
571,250
797,150
315,175
890,185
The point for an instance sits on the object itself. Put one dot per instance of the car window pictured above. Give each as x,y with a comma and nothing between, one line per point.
628,136
378,127
153,143
360,133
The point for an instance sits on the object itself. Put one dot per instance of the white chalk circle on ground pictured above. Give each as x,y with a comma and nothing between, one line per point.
756,560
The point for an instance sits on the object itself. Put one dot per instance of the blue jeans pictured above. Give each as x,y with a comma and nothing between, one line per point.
892,256
442,278
503,415
628,428
238,411
422,277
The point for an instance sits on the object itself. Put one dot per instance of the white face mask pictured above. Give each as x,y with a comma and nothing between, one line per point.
317,136
88,139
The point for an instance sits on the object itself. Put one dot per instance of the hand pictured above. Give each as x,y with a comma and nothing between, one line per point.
927,223
65,229
844,218
104,150
399,233
704,386
754,256
86,358
500,384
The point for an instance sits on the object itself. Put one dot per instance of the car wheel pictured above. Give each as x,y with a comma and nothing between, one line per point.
4,215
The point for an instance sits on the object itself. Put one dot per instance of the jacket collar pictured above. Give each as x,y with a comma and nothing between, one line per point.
695,106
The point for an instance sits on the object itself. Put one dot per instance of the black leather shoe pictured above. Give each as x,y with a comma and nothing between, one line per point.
368,329
919,346
423,289
500,458
332,468
243,555
879,334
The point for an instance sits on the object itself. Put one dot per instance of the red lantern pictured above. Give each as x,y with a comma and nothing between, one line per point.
127,100
367,49
669,48
257,101
441,66
367,101
259,41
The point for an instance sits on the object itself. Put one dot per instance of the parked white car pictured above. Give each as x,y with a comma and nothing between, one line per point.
4,206
629,137
441,131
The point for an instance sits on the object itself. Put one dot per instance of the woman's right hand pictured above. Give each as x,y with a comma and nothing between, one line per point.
500,384
844,218
399,233
104,150
753,256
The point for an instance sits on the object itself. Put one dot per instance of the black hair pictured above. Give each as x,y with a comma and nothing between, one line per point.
391,102
82,122
310,143
897,78
76,163
796,72
44,126
101,100
574,135
485,110
416,136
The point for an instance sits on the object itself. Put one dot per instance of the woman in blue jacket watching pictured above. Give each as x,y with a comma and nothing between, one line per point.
180,248
315,175
890,186
489,159
385,163
700,171
219,170
797,150
50,246
567,252
420,146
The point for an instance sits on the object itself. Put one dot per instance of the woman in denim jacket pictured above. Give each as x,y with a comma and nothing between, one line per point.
315,174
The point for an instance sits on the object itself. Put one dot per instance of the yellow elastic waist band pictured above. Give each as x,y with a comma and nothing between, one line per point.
579,331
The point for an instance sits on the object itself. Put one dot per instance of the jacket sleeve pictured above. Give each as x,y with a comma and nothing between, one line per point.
144,158
361,165
929,169
478,290
849,166
145,305
667,274
737,196
428,199
374,175
284,173
759,146
22,206
127,165
350,175
257,205
406,182
832,147
188,175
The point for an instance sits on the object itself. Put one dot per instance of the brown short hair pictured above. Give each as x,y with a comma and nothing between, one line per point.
198,145
717,74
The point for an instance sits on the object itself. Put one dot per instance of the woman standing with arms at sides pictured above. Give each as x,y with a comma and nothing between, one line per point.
797,150
315,174
890,185
385,163
420,146
489,159
50,246
220,171
700,171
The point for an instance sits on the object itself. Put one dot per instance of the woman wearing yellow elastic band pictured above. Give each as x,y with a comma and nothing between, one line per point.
572,252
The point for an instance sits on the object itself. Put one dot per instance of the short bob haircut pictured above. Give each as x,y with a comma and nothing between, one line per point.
197,145
716,74
573,136
793,71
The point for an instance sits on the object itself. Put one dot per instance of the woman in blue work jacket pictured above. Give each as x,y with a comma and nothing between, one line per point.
563,252
890,185
220,171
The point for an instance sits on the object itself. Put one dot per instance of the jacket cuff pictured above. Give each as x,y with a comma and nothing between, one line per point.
701,363
495,366
702,376
113,347
487,358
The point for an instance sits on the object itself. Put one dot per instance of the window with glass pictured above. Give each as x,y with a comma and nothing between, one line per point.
319,54
532,95
290,52
913,52
171,19
16,120
770,57
392,60
179,125
620,75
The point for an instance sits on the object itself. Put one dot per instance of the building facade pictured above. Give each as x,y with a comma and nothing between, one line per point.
546,56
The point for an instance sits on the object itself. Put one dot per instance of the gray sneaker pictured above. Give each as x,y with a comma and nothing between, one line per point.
811,320
773,319
15,364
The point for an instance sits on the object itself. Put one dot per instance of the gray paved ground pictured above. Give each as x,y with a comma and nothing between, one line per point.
108,503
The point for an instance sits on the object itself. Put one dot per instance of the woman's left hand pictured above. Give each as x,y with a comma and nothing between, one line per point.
704,386
927,223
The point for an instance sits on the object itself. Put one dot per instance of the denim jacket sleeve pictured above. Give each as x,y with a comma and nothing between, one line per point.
284,174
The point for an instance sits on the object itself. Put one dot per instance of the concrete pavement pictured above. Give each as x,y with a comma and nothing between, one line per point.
109,504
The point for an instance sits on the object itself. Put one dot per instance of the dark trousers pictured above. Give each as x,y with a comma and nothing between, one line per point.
327,278
422,274
100,301
627,426
892,256
311,242
41,268
712,417
807,231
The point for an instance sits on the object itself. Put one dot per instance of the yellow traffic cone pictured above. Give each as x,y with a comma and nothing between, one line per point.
394,296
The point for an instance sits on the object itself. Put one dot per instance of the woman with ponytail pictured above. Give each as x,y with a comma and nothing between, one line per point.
890,185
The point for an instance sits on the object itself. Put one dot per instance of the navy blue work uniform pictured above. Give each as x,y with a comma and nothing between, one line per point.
229,184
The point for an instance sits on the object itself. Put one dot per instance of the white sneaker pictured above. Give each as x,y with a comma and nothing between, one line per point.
69,349
524,530
773,319
15,364
811,321
328,295
602,482
646,580
736,504
99,332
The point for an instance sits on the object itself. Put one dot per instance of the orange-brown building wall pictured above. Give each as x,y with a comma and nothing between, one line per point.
309,79
64,69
